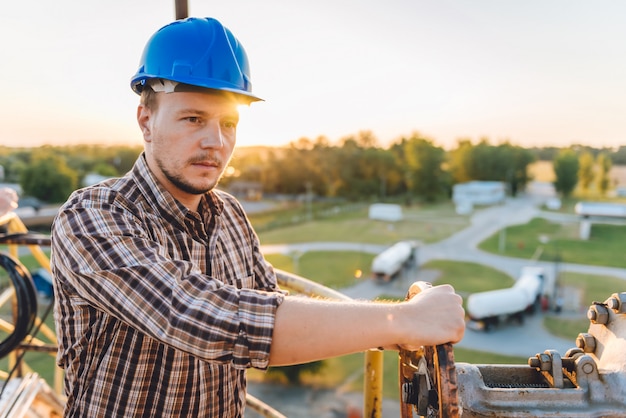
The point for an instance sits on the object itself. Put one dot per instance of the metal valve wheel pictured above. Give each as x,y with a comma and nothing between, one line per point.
428,384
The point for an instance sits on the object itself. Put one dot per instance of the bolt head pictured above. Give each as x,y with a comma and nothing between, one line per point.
613,303
545,362
586,342
592,314
598,314
617,302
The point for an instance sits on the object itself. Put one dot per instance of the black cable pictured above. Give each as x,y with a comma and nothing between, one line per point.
26,298
26,309
23,353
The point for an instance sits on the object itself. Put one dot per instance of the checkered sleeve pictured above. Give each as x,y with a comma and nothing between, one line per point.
104,254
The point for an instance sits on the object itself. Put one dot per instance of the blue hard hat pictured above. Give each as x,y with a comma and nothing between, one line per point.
199,52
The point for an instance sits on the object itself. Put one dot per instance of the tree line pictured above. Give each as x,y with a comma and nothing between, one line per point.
355,168
414,167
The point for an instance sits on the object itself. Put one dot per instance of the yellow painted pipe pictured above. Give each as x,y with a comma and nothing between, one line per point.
373,384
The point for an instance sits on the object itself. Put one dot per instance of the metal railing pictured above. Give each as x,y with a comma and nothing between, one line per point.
373,361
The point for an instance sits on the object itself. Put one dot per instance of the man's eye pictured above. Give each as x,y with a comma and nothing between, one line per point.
193,119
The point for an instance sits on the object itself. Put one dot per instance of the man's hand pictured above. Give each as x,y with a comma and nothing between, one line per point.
432,316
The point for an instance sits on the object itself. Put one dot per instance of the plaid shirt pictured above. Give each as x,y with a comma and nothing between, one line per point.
159,310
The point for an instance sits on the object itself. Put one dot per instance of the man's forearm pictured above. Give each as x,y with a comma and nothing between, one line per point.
310,329
313,329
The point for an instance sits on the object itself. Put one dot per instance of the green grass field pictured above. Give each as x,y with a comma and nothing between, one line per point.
426,224
605,247
334,269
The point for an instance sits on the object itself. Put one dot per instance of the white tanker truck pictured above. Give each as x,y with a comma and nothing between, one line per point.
388,264
488,309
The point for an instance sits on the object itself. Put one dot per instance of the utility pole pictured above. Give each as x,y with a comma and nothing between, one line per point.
182,9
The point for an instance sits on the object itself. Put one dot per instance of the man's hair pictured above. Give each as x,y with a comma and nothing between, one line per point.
148,98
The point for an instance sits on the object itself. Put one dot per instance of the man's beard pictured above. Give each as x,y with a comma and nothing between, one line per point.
181,182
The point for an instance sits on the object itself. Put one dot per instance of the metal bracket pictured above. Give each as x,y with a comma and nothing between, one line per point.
550,365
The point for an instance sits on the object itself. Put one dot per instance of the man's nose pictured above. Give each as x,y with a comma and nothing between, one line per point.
212,136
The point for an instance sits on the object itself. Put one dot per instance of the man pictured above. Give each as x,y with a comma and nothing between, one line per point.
163,298
8,200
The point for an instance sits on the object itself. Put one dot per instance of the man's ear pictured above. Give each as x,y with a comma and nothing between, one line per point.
143,119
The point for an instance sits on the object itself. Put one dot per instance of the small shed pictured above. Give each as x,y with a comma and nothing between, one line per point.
246,190
385,212
478,193
598,212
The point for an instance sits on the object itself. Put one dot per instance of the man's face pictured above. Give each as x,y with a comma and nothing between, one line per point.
189,139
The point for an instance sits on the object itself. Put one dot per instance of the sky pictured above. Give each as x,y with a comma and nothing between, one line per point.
531,72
